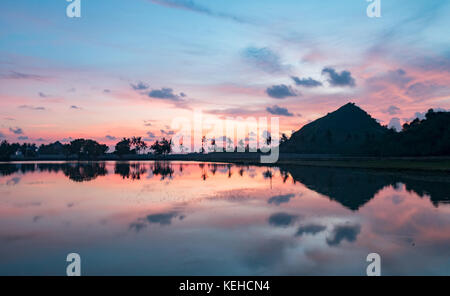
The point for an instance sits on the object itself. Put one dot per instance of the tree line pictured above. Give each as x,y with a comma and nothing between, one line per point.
83,149
421,137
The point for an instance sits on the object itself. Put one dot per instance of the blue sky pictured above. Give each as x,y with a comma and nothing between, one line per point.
223,56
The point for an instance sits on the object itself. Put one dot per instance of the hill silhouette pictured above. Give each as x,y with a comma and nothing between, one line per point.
348,130
351,131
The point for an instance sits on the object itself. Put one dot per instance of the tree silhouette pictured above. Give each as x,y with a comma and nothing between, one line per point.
213,144
167,146
28,150
87,149
51,149
123,147
284,138
157,148
6,150
268,139
138,144
202,150
162,147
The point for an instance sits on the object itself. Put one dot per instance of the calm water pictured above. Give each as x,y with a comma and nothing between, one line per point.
146,218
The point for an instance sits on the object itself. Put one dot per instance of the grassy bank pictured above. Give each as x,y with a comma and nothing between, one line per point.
401,163
417,164
391,164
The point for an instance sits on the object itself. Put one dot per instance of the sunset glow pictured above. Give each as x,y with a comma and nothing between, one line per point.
127,68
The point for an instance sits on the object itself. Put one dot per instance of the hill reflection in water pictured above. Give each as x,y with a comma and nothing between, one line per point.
187,218
352,188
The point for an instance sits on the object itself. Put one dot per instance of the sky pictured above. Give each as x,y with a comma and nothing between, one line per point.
128,68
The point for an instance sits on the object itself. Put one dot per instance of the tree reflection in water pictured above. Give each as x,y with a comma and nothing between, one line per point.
132,171
163,169
81,172
352,188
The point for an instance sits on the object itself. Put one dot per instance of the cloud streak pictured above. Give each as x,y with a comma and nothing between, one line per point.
30,107
282,219
279,199
165,94
190,5
263,58
16,130
20,75
310,229
342,233
280,91
339,79
392,110
139,86
277,110
306,82
150,136
163,219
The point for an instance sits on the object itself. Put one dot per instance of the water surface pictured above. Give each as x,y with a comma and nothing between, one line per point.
175,218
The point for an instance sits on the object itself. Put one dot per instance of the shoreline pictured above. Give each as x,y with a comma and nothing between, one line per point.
436,164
